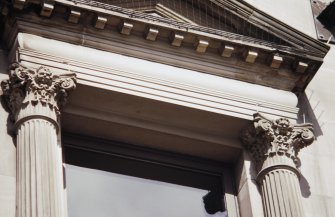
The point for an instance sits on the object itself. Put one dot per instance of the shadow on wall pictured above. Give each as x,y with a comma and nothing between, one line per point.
304,187
9,121
306,114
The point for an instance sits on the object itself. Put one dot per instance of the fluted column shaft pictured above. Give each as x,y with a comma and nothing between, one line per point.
33,99
279,184
39,167
274,146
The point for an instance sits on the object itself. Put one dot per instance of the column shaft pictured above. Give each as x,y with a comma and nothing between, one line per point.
39,170
281,194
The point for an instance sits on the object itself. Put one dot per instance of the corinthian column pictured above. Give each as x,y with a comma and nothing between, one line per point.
33,98
274,146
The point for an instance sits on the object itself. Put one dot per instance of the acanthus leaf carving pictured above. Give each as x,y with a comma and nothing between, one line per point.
266,138
35,86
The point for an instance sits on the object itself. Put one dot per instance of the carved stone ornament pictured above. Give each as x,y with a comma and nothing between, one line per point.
266,138
32,86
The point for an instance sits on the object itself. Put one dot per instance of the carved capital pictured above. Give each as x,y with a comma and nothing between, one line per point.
266,138
35,86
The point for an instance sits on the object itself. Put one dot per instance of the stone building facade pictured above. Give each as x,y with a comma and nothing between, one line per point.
213,95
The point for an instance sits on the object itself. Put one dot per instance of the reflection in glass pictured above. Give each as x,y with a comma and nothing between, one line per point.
104,194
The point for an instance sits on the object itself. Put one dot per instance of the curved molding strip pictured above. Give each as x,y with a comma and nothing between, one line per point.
156,81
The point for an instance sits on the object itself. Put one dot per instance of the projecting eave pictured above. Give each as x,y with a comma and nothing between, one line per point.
180,44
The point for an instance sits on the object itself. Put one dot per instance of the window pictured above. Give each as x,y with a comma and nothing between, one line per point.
114,179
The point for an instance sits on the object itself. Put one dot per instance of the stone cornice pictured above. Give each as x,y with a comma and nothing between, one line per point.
299,62
32,87
301,43
266,138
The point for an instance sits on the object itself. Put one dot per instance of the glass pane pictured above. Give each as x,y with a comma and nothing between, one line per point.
104,194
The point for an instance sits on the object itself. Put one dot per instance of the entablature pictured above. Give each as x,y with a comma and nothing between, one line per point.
155,81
